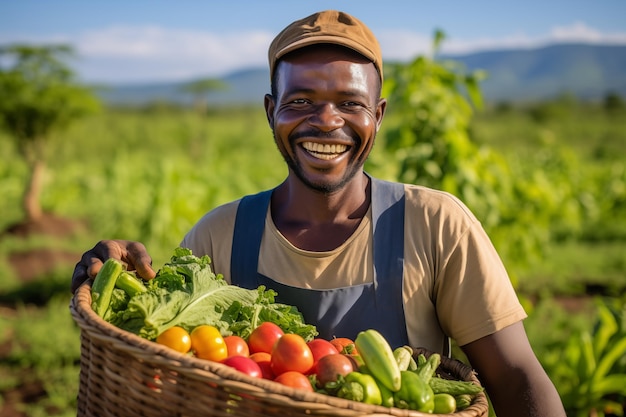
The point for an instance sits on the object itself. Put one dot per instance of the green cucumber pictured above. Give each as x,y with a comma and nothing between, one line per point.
103,286
454,387
129,283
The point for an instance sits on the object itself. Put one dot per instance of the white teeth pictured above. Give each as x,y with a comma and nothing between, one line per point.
324,151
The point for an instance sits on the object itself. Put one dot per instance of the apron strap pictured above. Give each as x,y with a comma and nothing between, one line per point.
249,226
388,204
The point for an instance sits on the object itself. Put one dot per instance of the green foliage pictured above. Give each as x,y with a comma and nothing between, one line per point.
430,140
613,102
150,177
43,95
35,345
45,345
579,157
590,370
534,189
40,97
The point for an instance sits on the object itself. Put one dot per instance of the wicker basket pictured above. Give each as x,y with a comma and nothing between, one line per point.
124,375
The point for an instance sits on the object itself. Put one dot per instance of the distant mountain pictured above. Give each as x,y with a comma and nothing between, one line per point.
242,87
586,71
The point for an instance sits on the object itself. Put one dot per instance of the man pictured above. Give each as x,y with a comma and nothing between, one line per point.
353,252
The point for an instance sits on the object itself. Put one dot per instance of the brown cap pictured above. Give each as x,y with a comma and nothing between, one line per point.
329,26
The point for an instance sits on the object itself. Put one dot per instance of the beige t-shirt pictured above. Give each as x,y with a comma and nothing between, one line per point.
454,281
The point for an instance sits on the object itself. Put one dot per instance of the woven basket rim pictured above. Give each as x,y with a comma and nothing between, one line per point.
95,327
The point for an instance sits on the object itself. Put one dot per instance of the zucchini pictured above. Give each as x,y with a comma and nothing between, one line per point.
378,357
103,286
129,283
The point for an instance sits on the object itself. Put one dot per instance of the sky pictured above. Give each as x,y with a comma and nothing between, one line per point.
144,41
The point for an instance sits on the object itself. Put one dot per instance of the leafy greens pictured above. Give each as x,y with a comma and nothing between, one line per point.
187,293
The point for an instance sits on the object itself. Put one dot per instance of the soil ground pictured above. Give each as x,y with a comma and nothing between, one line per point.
28,266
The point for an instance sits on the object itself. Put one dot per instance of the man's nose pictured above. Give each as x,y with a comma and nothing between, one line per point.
326,117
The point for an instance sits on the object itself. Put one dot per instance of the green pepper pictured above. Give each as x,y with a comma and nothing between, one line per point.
414,394
386,395
360,387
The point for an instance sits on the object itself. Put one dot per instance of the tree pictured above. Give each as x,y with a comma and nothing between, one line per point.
199,89
39,97
613,102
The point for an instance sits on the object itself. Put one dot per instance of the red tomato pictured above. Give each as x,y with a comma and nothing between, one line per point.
295,380
264,336
291,353
236,346
321,348
344,345
330,367
264,360
244,364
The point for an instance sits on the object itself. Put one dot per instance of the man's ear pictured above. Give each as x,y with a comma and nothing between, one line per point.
269,104
380,112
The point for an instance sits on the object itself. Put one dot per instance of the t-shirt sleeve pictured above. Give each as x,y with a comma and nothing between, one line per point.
212,235
473,293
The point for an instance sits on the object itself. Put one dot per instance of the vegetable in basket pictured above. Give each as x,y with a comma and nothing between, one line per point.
360,387
187,293
103,285
427,368
378,356
454,387
130,284
386,395
404,358
414,393
444,404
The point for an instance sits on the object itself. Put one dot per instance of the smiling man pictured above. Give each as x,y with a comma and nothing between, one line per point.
353,252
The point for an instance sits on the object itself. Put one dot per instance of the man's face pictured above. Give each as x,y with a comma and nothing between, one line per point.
325,114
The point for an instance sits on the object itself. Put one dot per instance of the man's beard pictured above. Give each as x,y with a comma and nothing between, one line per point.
325,187
321,187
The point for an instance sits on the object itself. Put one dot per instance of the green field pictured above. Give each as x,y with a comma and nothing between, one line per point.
149,174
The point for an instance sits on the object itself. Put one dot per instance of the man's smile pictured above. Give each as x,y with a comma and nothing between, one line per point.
324,151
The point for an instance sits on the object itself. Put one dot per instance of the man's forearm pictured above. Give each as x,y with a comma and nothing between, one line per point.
521,397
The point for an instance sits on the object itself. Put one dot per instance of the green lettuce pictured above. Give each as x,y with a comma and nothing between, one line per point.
187,293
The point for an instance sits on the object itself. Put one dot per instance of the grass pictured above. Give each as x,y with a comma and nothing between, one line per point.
43,348
593,141
574,268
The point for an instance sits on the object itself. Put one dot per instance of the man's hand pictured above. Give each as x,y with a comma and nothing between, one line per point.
132,254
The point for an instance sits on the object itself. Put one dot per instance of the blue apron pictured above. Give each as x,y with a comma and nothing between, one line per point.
341,312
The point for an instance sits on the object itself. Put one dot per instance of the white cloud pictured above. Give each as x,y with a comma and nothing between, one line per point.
576,32
153,53
579,31
399,45
150,52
